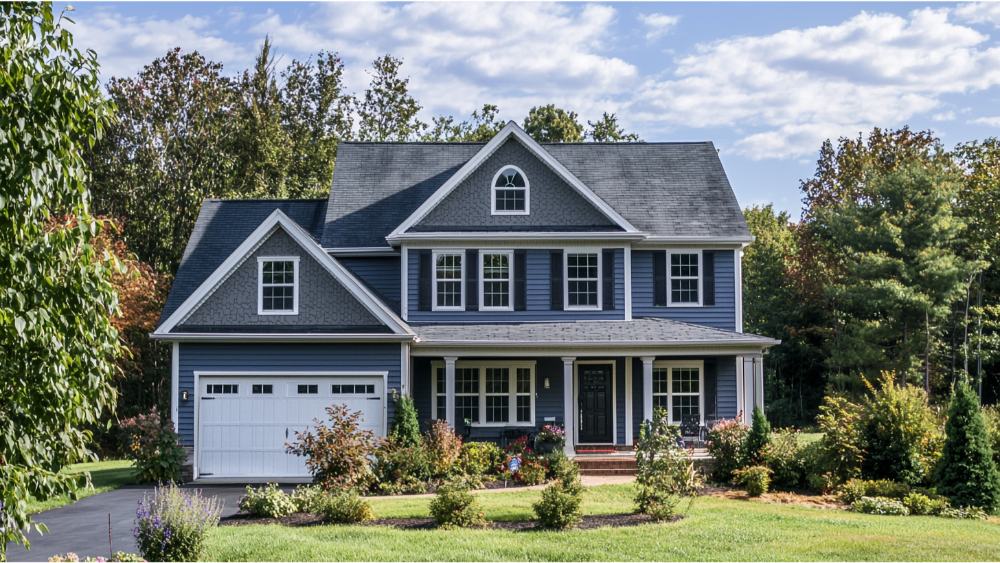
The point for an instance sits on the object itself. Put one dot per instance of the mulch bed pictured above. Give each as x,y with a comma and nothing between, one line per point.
300,519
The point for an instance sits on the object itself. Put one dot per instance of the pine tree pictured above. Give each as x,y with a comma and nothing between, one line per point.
405,430
966,473
758,439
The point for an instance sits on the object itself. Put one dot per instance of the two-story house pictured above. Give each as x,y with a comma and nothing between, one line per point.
503,285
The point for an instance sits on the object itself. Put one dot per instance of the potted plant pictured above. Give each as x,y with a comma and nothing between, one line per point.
551,438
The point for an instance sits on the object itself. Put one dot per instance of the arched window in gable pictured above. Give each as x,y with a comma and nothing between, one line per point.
510,192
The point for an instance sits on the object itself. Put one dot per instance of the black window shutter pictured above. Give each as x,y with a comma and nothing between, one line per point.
711,389
660,278
520,281
556,278
424,281
471,280
608,278
708,278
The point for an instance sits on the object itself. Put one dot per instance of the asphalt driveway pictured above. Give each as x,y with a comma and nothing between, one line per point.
82,527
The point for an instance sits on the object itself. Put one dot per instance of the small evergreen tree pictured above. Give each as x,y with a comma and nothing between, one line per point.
758,439
966,473
405,430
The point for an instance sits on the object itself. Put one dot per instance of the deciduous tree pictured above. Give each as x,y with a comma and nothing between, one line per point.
388,112
606,130
552,124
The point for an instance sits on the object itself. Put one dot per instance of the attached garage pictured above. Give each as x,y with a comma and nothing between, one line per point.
243,421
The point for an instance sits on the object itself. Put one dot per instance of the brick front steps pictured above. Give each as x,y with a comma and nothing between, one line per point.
623,462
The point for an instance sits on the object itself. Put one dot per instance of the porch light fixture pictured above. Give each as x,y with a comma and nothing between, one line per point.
184,395
546,384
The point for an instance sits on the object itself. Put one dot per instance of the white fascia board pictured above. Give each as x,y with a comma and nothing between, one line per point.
265,337
587,352
474,236
743,342
511,129
363,251
278,218
699,240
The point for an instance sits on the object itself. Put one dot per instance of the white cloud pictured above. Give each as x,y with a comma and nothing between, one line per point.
945,116
658,24
803,86
979,12
991,121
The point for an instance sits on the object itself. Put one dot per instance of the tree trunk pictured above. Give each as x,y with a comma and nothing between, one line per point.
927,356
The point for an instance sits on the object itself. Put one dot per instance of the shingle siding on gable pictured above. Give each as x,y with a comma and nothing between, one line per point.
553,202
721,315
323,301
538,289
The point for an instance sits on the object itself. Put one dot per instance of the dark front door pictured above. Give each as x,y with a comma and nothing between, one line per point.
595,403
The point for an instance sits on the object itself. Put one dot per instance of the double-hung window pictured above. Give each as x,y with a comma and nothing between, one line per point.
583,280
448,281
277,285
677,387
488,393
495,286
685,278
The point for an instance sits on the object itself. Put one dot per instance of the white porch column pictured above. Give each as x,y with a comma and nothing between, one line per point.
628,398
569,408
175,384
647,387
449,390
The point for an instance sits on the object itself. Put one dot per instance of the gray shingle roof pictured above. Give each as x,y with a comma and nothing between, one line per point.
665,189
221,228
637,331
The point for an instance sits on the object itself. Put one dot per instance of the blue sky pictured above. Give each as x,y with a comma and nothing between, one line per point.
767,82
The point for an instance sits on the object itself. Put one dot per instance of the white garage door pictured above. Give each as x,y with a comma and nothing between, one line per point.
246,421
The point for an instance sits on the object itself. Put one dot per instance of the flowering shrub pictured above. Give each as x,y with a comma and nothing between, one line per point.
480,458
725,444
119,556
153,446
971,513
755,479
455,507
304,496
880,505
269,501
171,526
665,474
551,433
442,447
532,471
922,505
340,454
342,507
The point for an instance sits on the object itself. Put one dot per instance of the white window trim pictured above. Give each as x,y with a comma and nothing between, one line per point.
295,285
701,277
494,188
510,280
600,277
669,365
435,365
434,281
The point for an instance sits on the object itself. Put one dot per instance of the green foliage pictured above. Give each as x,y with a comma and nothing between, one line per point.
842,453
481,458
755,479
553,125
557,464
970,513
404,430
483,126
880,505
342,506
455,507
922,505
606,130
400,468
269,501
991,418
153,447
340,455
442,448
758,440
899,433
664,474
304,496
388,112
966,473
532,471
57,343
172,524
725,444
119,556
561,505
786,458
851,491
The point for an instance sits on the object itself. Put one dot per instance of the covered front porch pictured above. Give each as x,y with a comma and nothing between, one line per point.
495,385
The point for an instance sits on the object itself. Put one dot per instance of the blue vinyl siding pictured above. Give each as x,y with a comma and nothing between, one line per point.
538,286
380,273
278,358
726,382
721,315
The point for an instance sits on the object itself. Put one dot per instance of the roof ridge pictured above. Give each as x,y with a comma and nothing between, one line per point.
275,200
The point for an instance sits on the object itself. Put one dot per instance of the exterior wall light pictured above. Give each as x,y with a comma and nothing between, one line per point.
546,383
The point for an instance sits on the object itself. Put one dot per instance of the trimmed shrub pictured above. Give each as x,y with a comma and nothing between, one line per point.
561,505
403,486
555,464
171,524
404,430
341,454
153,446
852,491
269,501
899,433
757,440
400,468
442,448
922,505
532,471
841,453
971,513
303,497
455,507
342,507
665,474
966,473
480,458
725,444
785,458
880,505
755,479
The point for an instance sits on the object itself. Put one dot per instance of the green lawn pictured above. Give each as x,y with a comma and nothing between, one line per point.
806,438
715,529
104,475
